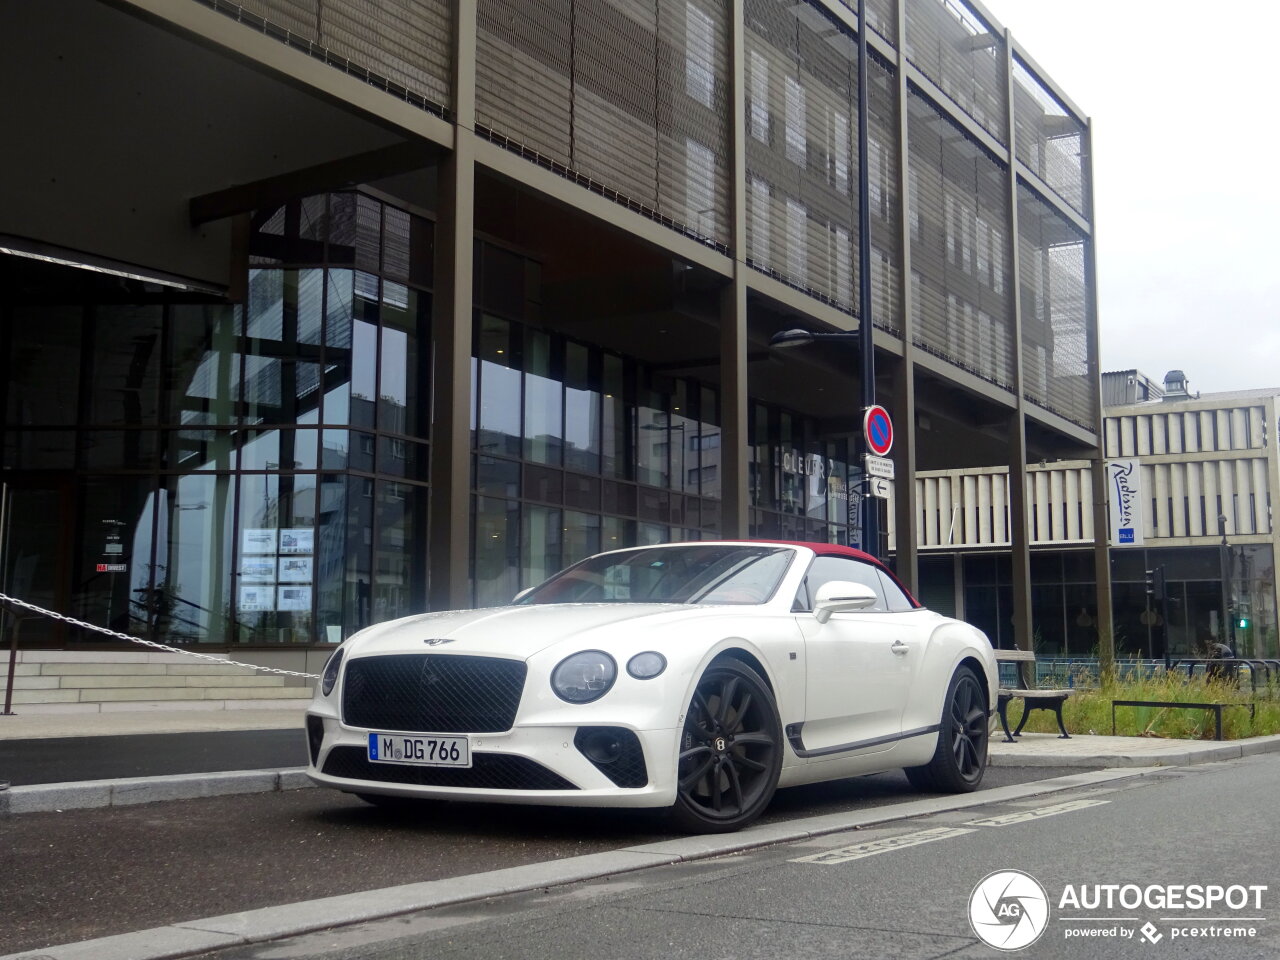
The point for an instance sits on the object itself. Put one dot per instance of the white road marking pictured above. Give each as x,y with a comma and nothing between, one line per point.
1025,815
871,847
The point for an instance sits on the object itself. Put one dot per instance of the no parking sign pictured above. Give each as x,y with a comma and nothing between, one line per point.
878,429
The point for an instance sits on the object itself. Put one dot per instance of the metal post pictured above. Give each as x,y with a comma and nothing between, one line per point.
866,330
1224,574
1164,614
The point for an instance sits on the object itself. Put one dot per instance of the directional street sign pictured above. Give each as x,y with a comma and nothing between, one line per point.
878,467
879,487
878,429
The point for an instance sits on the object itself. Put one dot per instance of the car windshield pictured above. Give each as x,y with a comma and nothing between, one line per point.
737,573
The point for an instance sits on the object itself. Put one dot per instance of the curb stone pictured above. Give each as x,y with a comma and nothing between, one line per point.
92,794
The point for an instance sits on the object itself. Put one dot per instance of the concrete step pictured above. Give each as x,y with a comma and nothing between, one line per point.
162,706
109,656
150,680
189,667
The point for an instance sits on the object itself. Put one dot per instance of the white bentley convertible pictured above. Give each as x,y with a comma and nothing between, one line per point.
697,676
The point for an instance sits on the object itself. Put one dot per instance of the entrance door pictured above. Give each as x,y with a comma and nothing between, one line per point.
36,520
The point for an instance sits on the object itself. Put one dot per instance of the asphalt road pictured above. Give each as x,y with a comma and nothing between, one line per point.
1206,825
65,759
72,876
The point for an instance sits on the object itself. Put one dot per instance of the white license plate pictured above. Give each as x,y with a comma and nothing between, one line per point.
424,751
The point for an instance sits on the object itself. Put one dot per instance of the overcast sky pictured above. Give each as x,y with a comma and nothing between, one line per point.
1187,175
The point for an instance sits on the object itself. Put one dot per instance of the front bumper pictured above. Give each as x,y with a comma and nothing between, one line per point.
527,764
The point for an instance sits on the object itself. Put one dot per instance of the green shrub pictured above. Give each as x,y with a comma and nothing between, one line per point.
1089,711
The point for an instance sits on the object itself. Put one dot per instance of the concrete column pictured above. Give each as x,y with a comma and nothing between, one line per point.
1101,514
1019,527
449,536
906,517
735,494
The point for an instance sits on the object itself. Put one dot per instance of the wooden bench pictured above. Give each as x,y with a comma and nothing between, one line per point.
1032,698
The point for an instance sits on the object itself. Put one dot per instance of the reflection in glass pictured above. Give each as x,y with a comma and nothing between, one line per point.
190,600
582,412
499,390
539,544
543,431
496,555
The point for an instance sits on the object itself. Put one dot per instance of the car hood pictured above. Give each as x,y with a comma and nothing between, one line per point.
517,632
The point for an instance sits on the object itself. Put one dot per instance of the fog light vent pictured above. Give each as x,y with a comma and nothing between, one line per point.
315,736
615,752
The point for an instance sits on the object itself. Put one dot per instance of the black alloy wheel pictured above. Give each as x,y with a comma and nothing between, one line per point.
730,751
961,756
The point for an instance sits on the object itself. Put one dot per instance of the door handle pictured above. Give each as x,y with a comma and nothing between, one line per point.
900,648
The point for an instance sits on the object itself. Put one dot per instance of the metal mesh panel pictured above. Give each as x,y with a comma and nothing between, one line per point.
1050,141
436,693
953,47
959,223
1055,316
802,187
882,16
488,771
401,46
406,40
627,96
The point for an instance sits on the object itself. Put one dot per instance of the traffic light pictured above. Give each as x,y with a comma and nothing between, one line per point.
1242,616
1155,584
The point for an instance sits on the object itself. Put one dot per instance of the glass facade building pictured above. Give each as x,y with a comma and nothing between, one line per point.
418,301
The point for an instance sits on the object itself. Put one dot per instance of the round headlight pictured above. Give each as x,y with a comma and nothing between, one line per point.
584,677
330,676
646,666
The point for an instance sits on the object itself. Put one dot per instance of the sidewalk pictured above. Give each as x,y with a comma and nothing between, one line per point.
125,733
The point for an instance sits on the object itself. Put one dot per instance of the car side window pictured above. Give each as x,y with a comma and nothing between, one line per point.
825,569
898,601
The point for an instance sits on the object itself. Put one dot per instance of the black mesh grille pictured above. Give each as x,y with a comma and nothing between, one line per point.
489,771
434,693
628,770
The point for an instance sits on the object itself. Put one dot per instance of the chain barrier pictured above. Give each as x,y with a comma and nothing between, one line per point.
149,643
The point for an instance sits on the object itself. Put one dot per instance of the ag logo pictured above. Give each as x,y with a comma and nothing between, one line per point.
1009,910
436,641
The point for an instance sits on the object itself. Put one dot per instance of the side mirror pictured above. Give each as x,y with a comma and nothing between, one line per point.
839,596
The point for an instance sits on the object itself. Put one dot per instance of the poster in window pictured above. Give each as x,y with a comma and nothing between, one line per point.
294,598
257,598
295,570
297,540
258,540
257,569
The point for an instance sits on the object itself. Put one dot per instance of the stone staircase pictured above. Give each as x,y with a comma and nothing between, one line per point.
74,681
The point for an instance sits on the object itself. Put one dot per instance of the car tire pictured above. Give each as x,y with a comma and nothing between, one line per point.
960,758
730,751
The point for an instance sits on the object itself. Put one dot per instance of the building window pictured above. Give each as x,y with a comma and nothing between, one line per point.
700,54
758,91
700,173
797,141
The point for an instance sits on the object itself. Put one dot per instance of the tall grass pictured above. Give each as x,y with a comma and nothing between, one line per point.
1089,711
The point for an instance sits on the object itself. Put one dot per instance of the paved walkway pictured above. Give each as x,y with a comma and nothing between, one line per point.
1031,750
42,726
